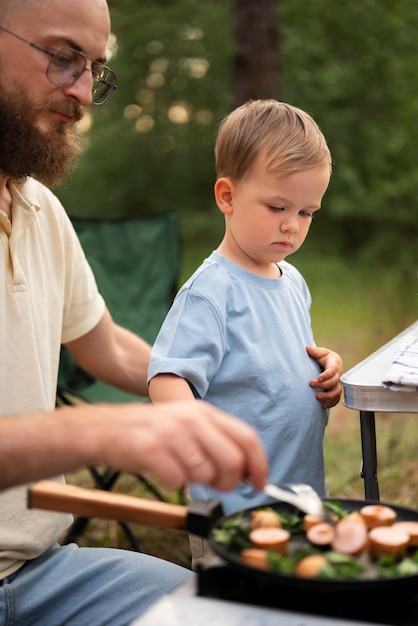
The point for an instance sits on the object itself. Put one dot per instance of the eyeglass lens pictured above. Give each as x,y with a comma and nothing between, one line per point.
66,67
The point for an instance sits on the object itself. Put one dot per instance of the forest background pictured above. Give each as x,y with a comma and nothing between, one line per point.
352,65
181,66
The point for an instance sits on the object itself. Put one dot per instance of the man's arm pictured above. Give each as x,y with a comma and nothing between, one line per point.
115,355
176,442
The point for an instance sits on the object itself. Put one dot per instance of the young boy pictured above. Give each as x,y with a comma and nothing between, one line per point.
239,331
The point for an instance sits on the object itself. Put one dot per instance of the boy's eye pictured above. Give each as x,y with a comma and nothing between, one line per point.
276,208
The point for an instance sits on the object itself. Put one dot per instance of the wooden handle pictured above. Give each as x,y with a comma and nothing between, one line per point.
54,496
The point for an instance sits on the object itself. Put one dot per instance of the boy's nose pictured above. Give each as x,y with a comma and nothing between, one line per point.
290,225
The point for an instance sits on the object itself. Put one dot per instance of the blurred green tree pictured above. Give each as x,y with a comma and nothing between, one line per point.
150,146
351,65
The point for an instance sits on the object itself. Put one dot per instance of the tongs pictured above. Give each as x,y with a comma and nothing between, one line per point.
301,496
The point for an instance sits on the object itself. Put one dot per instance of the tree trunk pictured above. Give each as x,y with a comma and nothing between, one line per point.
257,59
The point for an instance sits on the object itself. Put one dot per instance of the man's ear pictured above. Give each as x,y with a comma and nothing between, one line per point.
224,191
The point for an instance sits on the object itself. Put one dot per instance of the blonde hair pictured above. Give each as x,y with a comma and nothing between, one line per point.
286,136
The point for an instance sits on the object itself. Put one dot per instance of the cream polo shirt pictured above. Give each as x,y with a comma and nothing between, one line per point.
48,296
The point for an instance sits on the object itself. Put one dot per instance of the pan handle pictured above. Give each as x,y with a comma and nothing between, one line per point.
53,496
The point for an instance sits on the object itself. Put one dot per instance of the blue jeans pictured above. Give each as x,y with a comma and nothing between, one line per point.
72,586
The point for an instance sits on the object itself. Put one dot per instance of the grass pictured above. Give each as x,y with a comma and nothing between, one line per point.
357,307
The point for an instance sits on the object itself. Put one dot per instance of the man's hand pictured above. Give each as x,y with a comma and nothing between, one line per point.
184,441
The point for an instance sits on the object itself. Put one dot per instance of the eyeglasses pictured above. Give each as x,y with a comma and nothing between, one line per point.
67,65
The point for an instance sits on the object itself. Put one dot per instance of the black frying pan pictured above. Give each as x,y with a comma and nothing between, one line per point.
200,518
313,584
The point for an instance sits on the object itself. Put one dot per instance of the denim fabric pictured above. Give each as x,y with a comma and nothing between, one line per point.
72,586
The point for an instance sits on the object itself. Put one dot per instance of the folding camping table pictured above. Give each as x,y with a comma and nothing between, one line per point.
363,391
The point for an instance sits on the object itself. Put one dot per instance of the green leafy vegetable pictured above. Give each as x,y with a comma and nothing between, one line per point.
389,567
233,533
336,508
293,522
341,566
280,563
338,566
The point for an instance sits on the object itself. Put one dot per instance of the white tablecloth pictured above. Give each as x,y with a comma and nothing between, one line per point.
402,374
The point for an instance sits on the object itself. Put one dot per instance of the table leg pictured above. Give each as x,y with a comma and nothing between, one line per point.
368,445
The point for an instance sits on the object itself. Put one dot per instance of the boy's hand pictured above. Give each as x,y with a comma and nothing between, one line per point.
329,379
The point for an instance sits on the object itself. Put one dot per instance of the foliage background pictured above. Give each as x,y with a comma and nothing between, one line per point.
351,65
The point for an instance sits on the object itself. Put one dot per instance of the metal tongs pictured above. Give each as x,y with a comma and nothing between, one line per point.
301,496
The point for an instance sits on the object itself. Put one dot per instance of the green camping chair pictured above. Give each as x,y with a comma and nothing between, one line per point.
136,263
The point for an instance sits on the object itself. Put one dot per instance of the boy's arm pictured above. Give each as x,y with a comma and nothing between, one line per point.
165,387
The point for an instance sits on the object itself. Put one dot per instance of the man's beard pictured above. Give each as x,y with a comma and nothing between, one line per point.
27,151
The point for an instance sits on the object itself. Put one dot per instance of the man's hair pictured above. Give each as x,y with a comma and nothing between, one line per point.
287,137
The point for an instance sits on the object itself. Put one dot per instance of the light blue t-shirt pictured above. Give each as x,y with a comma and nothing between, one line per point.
239,339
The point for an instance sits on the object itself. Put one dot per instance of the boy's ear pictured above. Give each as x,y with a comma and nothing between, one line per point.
224,191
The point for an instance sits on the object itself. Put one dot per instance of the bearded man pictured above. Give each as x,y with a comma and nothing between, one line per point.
52,65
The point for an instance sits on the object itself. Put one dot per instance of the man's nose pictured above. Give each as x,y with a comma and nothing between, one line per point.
82,89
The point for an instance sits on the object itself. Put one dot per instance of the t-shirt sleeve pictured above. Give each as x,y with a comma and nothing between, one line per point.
191,341
83,304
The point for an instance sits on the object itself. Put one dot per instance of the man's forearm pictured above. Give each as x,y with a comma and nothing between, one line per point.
41,445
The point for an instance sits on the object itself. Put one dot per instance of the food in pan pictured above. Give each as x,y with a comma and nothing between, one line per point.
378,515
350,535
388,541
310,566
264,518
321,534
257,557
412,530
270,538
357,547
